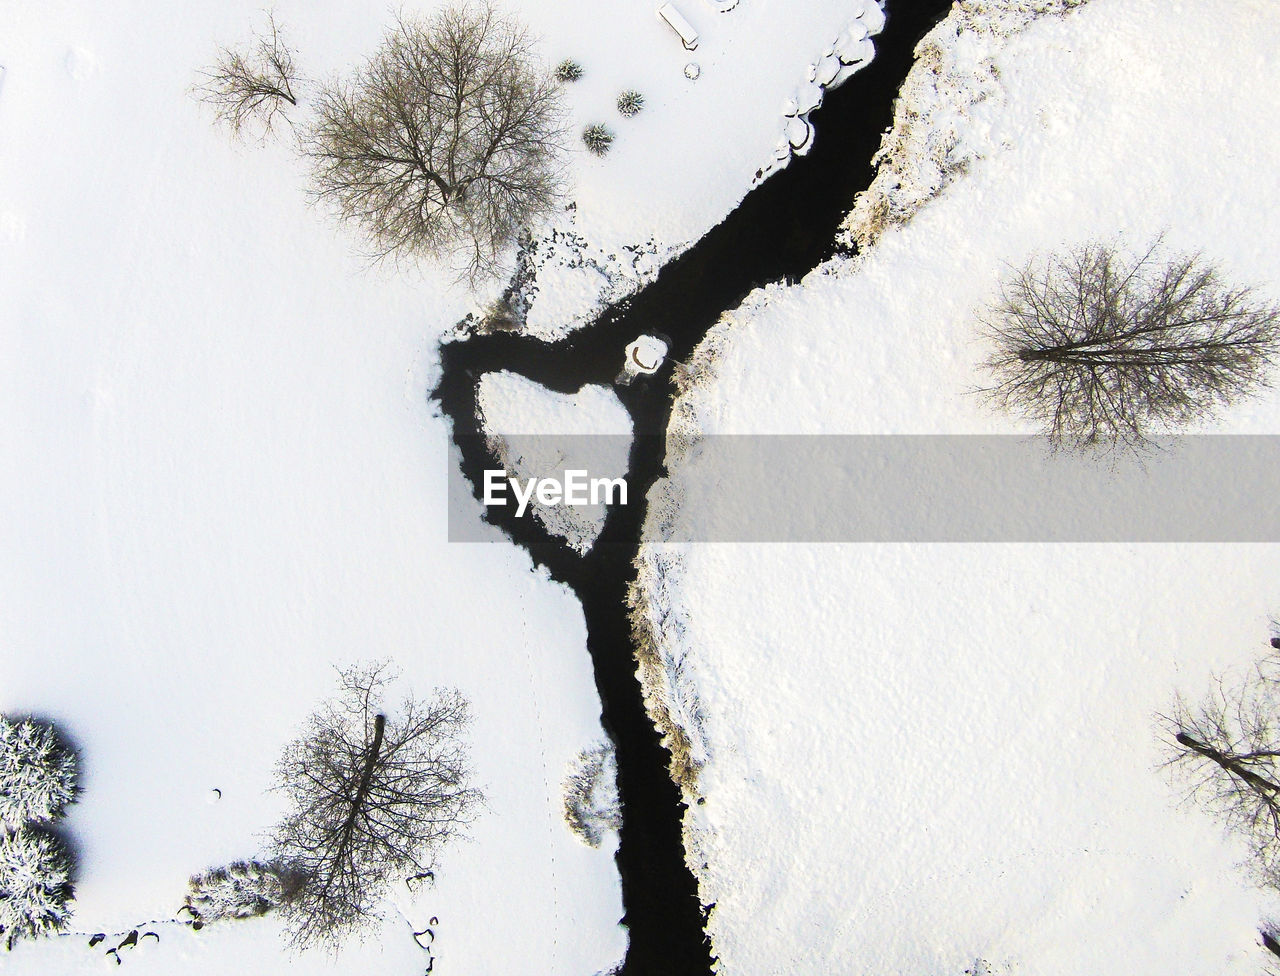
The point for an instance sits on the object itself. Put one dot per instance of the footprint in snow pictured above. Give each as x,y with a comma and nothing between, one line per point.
81,64
13,228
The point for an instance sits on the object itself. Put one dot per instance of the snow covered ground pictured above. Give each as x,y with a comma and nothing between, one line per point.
914,757
537,433
681,165
220,475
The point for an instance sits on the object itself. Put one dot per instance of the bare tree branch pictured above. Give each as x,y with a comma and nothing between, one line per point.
446,143
249,89
1227,748
1099,348
373,795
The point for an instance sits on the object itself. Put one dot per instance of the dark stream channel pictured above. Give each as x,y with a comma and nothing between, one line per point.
782,230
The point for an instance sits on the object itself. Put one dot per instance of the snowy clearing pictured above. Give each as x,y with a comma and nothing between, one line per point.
537,433
222,476
693,151
914,757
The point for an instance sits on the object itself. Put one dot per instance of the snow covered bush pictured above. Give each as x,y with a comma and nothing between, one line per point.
568,70
591,794
630,102
35,884
37,772
243,889
598,138
498,316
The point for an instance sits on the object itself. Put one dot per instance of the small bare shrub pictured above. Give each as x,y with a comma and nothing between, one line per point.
630,102
568,70
243,889
249,89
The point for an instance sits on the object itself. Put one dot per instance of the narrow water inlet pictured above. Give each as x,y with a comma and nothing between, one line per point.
781,230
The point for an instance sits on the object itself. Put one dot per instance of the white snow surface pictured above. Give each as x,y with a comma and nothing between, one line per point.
514,404
919,756
220,476
686,159
539,433
680,165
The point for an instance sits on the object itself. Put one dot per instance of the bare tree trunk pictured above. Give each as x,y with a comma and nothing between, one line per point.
1231,764
362,791
379,723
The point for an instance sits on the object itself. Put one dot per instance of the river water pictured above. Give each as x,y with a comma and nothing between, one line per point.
782,230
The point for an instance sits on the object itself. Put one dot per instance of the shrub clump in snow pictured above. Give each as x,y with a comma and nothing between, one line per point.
243,889
591,804
630,102
598,138
37,772
568,70
35,883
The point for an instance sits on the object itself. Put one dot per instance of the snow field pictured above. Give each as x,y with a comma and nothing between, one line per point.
221,476
918,756
539,434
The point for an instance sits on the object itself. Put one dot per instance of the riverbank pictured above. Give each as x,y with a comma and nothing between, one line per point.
941,757
782,229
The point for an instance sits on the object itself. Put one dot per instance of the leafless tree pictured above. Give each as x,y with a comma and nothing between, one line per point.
249,89
1228,748
446,142
1100,348
373,795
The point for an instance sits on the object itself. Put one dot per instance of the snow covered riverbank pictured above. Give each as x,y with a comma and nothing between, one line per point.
221,476
913,757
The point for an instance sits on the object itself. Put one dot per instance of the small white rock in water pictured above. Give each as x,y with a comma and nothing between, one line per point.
646,354
214,796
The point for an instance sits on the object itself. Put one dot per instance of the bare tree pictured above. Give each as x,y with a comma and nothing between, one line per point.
446,142
373,795
249,89
1228,747
1099,348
